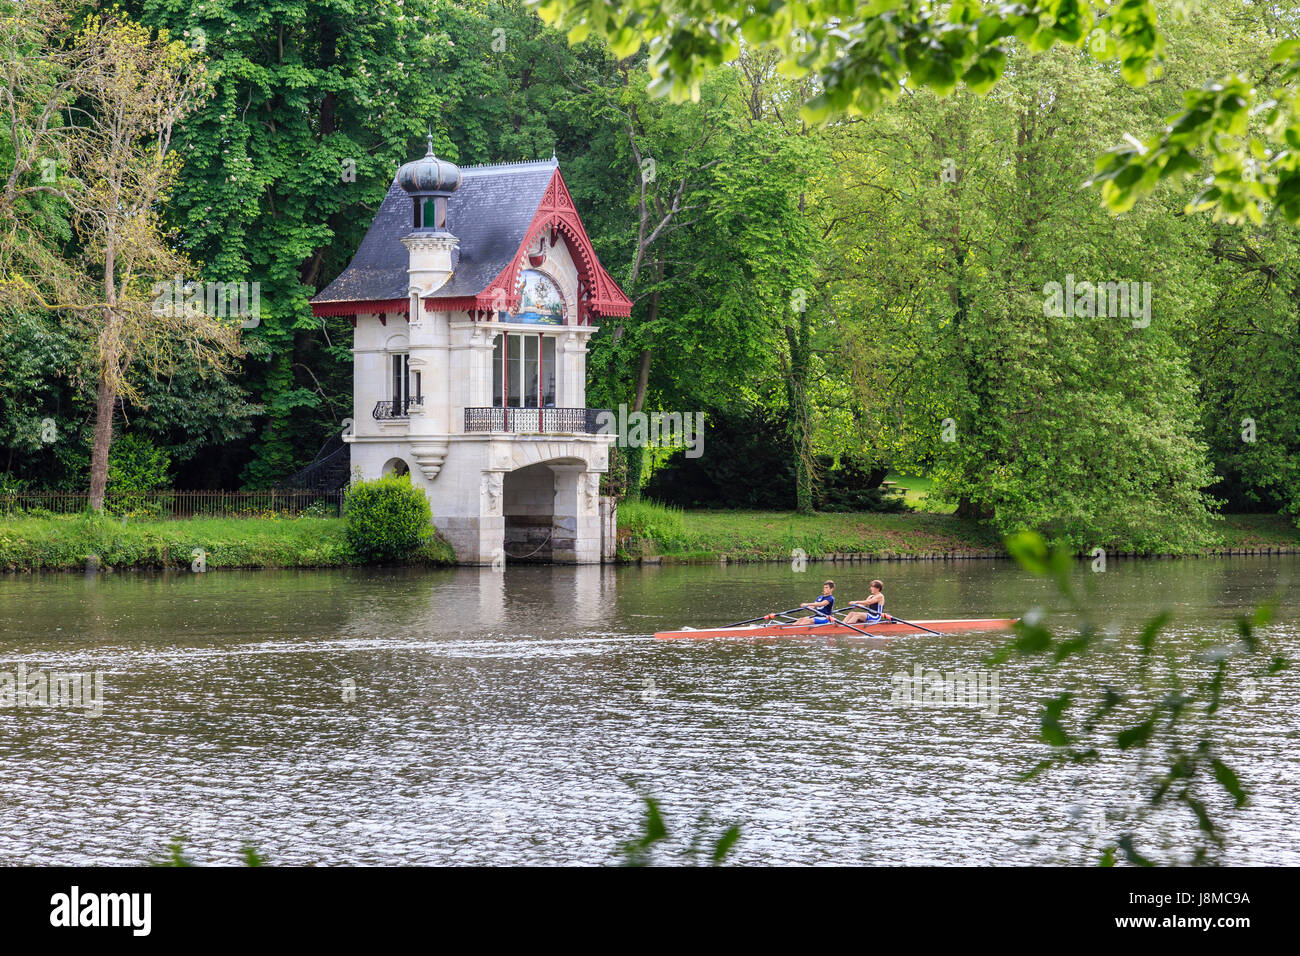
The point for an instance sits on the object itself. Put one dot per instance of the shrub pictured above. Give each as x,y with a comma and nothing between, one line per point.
387,519
135,468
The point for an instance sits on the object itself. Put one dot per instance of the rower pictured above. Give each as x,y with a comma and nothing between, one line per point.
873,608
823,606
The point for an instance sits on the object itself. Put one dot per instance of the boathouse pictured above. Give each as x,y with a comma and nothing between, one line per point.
473,296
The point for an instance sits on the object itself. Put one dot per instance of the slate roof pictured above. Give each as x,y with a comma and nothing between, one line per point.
489,214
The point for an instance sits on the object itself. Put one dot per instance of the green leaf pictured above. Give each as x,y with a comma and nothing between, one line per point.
1228,780
1137,735
1052,731
1150,630
725,843
1131,854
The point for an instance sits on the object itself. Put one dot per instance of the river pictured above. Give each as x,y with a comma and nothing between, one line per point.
476,717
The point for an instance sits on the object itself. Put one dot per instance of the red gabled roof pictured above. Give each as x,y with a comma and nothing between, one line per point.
489,213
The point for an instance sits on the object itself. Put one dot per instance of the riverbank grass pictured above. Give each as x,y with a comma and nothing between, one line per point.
68,542
648,529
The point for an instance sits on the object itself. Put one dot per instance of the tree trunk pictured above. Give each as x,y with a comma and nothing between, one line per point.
106,396
636,456
105,402
797,396
642,381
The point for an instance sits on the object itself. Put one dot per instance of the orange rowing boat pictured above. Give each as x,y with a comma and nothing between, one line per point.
883,629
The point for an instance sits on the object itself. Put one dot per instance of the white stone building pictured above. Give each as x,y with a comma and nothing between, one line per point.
473,296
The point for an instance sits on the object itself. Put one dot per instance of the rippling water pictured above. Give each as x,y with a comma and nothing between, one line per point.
506,718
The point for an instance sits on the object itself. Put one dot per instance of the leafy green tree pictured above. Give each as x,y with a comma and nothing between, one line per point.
110,168
1077,421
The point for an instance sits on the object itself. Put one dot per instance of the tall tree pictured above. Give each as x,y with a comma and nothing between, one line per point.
122,91
1078,416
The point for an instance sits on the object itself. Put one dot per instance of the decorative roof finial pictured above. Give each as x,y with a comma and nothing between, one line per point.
553,159
430,142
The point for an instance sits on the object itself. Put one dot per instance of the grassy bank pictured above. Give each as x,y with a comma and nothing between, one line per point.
67,542
647,529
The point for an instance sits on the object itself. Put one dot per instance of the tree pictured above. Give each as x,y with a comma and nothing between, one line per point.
131,89
1079,421
666,156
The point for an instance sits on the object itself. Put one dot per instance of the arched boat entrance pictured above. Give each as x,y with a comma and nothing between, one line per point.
541,505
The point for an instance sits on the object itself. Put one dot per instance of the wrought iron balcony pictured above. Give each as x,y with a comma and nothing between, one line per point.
389,409
533,420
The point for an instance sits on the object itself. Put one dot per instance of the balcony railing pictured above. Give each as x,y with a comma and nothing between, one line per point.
533,420
389,409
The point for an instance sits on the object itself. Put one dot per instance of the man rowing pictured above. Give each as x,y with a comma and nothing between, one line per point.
823,606
873,608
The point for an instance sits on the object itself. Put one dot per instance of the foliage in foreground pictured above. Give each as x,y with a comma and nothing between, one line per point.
174,855
860,56
1161,730
647,849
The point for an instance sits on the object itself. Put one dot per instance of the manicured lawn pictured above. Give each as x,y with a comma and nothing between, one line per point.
1258,531
917,490
65,542
751,535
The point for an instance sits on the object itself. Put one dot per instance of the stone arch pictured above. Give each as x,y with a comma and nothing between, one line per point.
512,455
544,505
395,466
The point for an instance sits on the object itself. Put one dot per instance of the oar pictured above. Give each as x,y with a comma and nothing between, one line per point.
765,617
834,619
918,626
852,627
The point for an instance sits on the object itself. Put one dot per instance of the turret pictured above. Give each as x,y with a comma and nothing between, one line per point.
429,181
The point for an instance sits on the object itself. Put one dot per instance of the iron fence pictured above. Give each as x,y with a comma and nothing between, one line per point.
180,504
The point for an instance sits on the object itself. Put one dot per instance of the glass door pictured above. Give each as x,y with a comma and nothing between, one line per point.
523,374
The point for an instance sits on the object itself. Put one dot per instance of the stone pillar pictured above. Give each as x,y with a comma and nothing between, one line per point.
575,522
470,370
571,383
608,528
564,514
491,522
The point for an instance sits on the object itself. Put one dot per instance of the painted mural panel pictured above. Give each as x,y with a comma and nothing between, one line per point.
540,301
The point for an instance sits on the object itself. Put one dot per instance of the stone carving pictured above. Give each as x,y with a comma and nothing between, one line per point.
492,484
591,490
